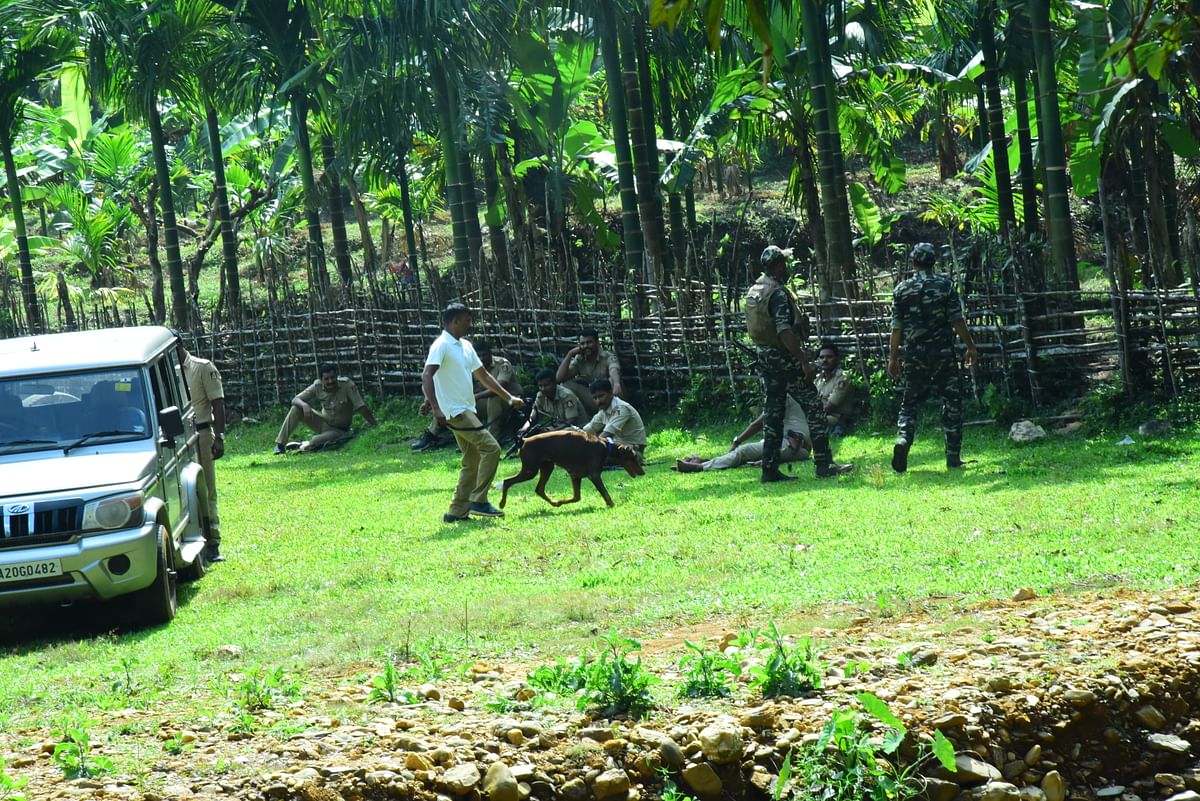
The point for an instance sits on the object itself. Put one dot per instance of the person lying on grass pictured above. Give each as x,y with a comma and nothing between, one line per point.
796,445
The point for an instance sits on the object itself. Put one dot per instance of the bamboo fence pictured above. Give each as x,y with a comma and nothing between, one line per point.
1031,344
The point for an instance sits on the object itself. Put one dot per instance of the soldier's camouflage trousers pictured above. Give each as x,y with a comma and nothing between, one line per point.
782,376
937,376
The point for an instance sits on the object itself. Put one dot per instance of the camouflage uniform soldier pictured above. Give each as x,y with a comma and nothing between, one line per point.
774,324
926,314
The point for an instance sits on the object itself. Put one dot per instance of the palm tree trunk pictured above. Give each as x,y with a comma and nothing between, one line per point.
650,219
28,291
810,196
991,80
229,249
337,214
1157,213
179,301
980,138
494,216
312,212
630,224
839,258
370,256
1050,138
64,300
447,130
674,203
410,229
470,204
947,150
650,132
150,219
1029,193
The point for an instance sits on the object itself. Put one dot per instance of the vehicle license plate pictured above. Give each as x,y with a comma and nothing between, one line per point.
29,571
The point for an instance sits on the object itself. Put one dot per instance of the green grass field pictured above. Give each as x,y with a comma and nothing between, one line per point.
339,558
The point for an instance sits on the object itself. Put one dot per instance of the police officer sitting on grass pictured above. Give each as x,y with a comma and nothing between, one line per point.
777,327
338,400
554,407
926,314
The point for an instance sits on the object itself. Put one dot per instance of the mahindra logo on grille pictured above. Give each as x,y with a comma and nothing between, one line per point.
18,509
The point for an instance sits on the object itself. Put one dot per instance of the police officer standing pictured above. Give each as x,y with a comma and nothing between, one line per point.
775,325
926,314
208,401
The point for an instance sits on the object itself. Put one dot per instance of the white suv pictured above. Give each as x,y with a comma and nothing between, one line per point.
101,493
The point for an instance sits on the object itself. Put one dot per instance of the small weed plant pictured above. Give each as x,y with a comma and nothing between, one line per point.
262,689
615,681
175,745
847,764
124,683
11,786
786,670
564,677
670,790
73,755
708,674
385,687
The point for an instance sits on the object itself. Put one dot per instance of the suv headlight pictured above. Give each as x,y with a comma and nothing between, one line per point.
118,511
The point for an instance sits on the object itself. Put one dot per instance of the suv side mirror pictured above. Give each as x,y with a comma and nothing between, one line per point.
170,422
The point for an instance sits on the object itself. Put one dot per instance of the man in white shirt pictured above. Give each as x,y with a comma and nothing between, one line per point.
450,395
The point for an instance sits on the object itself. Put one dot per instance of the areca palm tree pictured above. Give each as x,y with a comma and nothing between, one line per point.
137,54
24,57
282,31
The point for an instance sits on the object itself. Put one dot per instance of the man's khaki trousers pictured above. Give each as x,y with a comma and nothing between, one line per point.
204,445
480,458
325,433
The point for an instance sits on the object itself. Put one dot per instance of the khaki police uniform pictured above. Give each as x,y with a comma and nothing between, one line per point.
837,396
564,408
204,385
582,372
496,412
335,411
622,422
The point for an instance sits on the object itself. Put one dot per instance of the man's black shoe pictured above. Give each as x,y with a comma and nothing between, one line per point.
212,553
955,461
279,449
449,518
900,457
424,441
771,476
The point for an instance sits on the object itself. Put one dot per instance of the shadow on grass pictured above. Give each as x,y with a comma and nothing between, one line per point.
40,627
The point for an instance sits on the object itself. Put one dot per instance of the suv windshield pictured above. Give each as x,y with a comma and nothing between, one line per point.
57,411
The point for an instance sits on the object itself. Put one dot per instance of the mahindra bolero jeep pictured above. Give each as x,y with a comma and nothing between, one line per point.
101,491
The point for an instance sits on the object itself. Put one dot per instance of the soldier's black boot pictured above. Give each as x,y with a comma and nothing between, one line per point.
823,460
772,474
953,460
900,455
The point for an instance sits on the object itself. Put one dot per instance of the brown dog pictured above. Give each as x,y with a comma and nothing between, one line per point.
579,453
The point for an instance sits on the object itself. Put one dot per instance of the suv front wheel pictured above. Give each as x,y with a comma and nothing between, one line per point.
156,604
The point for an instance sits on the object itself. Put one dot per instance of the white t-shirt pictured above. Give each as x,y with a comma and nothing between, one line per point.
456,361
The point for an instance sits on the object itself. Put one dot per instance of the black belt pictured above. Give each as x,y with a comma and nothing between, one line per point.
203,426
